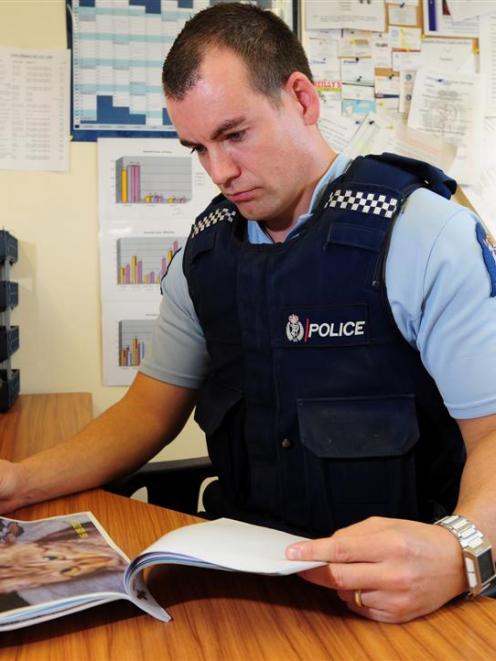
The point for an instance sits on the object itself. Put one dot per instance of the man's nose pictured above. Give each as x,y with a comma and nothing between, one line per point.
222,167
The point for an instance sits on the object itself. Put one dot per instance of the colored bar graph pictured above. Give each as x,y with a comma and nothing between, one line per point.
144,260
153,180
134,335
132,356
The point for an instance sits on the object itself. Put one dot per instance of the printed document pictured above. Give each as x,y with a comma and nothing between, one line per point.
438,20
353,14
450,106
461,10
34,109
481,194
488,61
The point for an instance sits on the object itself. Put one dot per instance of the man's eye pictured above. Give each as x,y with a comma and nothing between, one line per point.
236,136
198,149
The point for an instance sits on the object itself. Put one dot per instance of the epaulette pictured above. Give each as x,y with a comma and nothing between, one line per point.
215,216
379,204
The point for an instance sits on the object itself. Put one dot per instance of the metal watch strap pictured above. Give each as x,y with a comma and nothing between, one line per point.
479,565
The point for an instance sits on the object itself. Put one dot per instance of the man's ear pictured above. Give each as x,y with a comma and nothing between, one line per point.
304,94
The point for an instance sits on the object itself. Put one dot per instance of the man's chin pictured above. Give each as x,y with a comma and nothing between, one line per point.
252,210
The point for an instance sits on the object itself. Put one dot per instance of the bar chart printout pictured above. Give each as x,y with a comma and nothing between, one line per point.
153,179
145,260
134,335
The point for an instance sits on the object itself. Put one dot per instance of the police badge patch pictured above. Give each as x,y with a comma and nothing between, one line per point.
310,326
488,253
294,328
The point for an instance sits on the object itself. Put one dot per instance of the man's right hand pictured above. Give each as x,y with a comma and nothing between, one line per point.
116,443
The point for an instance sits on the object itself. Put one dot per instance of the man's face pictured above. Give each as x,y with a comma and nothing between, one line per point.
253,149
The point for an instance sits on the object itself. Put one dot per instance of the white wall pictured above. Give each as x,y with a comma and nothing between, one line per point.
54,217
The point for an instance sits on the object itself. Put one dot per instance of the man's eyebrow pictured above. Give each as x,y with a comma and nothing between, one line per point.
226,126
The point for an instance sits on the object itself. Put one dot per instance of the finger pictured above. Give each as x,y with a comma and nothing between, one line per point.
345,548
366,576
348,596
374,614
374,599
389,615
395,607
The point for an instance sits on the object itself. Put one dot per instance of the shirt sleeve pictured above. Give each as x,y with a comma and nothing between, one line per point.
177,353
440,296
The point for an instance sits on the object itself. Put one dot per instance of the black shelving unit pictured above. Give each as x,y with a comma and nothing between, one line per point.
9,335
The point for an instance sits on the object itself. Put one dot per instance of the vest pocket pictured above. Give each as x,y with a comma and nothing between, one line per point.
220,412
351,428
356,236
359,458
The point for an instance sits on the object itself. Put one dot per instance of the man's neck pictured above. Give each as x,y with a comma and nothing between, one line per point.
278,230
278,236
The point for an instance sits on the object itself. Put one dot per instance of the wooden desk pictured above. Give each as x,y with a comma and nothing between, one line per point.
233,616
36,422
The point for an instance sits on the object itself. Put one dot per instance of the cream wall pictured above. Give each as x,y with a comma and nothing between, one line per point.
54,217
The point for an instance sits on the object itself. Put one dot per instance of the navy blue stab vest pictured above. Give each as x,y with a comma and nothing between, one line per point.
317,412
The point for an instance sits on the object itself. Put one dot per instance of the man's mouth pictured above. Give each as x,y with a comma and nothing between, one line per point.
242,196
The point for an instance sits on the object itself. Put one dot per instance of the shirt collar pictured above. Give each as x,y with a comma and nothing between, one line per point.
256,233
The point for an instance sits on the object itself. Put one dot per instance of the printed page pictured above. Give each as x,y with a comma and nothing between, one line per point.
372,137
377,135
321,47
150,192
49,562
36,615
461,10
60,565
422,146
381,50
449,105
358,70
488,61
338,130
482,194
34,109
224,544
449,54
405,38
439,21
354,14
402,14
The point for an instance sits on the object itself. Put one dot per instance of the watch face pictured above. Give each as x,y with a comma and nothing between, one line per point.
486,566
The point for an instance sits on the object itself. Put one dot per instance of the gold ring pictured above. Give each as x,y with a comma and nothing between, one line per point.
358,598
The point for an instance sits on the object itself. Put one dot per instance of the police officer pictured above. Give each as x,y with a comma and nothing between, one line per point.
333,322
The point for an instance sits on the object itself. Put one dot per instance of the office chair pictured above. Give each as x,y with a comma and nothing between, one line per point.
173,484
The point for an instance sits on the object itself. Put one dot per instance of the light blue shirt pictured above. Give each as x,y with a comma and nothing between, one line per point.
437,285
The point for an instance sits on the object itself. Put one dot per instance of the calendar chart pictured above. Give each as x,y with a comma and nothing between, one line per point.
118,49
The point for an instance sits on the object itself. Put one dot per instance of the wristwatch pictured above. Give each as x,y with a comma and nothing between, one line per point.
479,565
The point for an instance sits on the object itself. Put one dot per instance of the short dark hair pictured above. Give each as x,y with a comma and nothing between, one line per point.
261,39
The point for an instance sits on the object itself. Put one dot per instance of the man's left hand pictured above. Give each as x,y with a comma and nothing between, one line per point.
403,569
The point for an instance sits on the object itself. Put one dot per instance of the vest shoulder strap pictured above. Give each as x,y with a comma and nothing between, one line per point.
400,173
219,209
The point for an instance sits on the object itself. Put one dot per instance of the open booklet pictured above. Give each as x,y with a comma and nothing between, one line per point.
59,565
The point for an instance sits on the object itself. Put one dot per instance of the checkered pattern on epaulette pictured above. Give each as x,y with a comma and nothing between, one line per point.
374,203
212,218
